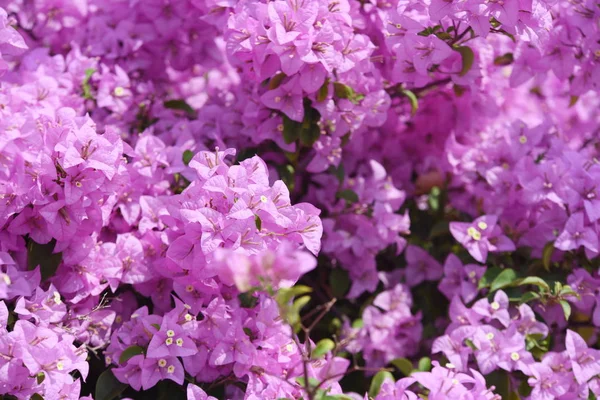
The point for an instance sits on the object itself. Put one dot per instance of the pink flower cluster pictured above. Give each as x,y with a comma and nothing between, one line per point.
316,199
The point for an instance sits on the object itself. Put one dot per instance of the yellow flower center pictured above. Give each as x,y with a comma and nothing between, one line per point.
171,369
495,305
119,91
169,341
264,199
162,363
482,225
179,342
490,336
474,233
60,366
522,139
170,333
515,356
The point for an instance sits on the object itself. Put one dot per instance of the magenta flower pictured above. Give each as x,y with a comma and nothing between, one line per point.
481,236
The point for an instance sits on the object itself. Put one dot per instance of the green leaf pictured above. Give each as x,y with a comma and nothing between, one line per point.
156,326
441,228
337,397
489,276
547,255
532,280
504,279
323,347
247,300
276,81
468,57
187,157
108,387
501,380
169,390
347,194
443,35
573,100
378,380
412,98
342,91
85,84
284,296
339,281
130,352
425,364
43,255
40,377
505,59
567,291
529,296
434,198
323,92
338,172
566,308
358,323
309,133
403,364
257,222
291,130
346,92
292,315
36,396
180,105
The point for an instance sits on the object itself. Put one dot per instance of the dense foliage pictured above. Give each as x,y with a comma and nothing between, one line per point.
299,199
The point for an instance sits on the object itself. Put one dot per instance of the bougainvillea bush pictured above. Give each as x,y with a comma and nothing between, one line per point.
299,199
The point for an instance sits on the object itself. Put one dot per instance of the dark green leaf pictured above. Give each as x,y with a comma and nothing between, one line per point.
468,57
130,352
573,100
443,35
323,92
404,365
276,81
257,222
377,381
187,157
310,133
505,59
501,380
338,172
291,130
339,282
247,300
180,105
169,390
412,98
323,347
36,396
40,377
108,387
348,195
42,255
504,279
